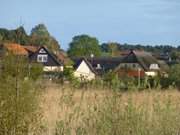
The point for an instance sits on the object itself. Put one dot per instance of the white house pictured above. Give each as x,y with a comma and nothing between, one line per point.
84,70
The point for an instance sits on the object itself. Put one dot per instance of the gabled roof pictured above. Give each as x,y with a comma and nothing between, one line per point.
87,62
145,59
50,54
106,62
31,48
16,49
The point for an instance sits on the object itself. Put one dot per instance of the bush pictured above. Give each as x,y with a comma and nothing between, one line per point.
174,76
19,109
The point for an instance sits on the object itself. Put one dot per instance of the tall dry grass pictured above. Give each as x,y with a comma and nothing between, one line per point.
104,112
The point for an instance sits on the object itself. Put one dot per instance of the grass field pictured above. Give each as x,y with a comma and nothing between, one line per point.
103,112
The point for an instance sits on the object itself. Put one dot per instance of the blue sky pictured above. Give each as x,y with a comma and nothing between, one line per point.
125,21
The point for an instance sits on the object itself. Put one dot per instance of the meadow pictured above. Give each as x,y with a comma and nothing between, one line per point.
70,111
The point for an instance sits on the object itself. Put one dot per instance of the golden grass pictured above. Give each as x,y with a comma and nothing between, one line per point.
58,102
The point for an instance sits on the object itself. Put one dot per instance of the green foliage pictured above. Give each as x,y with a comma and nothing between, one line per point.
16,36
40,36
174,75
157,49
35,71
40,30
19,94
175,55
68,73
84,45
114,82
110,48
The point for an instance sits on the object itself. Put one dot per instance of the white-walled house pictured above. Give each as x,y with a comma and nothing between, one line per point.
47,59
84,70
140,64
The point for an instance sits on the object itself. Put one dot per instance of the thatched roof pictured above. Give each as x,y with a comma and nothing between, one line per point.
145,59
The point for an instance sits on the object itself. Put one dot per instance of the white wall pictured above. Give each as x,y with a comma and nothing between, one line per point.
52,68
83,70
151,73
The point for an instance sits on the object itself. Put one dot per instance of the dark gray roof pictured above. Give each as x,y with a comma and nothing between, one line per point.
106,63
78,62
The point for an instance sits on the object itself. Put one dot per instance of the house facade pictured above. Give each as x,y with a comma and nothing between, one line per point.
35,54
101,65
139,64
47,59
84,70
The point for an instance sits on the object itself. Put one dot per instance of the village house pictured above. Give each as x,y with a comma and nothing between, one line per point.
133,64
84,70
46,58
95,66
35,54
140,64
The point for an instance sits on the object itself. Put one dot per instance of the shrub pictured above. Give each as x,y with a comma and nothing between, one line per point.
174,76
19,110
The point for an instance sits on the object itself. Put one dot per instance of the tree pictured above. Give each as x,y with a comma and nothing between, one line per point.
21,36
41,37
174,75
84,45
111,48
16,36
19,95
1,38
40,30
175,55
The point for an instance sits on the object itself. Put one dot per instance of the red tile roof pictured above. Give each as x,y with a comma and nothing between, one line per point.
31,48
16,49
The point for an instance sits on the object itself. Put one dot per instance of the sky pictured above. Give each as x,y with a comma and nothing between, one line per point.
147,22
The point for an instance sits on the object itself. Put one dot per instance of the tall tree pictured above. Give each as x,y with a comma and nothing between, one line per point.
84,45
40,30
111,48
40,36
18,35
21,36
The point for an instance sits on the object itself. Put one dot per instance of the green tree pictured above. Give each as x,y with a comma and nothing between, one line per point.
18,35
21,36
174,75
40,30
40,36
84,45
175,55
19,109
111,48
1,38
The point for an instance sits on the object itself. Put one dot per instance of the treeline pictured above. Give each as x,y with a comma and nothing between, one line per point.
81,45
108,47
39,35
85,45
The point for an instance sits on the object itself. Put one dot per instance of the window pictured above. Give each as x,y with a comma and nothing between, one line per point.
42,58
42,51
154,66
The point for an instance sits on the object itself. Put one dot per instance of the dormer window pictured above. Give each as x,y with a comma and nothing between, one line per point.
154,66
42,58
